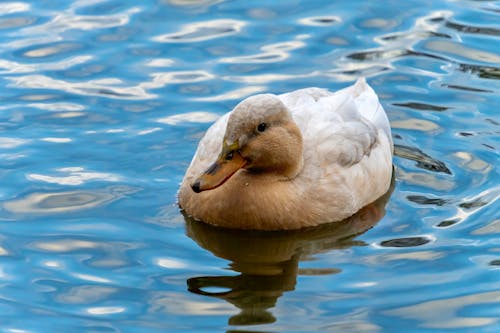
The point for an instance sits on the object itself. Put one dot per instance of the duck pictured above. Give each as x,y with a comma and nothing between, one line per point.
290,161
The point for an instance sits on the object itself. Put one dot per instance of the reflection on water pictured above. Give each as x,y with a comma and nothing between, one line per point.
101,108
268,262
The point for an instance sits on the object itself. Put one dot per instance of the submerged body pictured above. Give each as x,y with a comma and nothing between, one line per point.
291,161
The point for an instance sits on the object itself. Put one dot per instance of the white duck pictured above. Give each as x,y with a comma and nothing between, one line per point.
290,161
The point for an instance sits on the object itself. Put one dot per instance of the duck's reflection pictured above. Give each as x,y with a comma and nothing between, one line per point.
268,261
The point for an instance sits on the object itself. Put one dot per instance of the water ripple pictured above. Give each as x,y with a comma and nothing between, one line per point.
68,20
320,21
270,53
12,67
162,79
110,88
13,7
202,31
104,101
192,117
234,94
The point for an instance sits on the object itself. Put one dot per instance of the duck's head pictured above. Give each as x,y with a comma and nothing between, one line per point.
260,137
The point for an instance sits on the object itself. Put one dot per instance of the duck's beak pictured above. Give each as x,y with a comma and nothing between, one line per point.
228,162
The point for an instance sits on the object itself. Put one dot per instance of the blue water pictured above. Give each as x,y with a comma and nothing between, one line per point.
101,107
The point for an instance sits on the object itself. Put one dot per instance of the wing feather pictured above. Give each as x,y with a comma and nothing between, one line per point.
339,129
209,147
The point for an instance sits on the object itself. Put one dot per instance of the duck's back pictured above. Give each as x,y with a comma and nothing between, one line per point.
316,110
347,145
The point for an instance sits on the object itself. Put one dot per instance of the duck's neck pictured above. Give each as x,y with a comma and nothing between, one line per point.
280,159
292,153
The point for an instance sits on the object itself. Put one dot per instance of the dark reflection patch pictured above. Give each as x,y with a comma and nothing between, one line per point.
422,106
405,242
423,160
423,200
447,223
473,204
471,89
473,29
485,72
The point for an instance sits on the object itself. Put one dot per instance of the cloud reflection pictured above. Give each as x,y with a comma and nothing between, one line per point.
190,117
74,176
65,201
9,143
56,140
85,294
444,46
446,313
488,229
105,310
170,302
192,3
415,124
50,50
13,7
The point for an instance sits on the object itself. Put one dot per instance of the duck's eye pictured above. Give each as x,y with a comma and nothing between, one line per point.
229,156
262,127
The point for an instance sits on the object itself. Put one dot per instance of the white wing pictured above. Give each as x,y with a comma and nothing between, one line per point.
209,147
347,147
341,127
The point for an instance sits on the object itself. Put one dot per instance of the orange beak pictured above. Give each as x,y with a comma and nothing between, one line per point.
229,161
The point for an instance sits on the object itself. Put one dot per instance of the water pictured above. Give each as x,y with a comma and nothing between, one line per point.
102,105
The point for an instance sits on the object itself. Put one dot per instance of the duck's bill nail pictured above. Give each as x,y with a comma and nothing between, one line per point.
220,171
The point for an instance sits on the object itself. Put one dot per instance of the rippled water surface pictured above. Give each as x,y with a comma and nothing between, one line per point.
101,107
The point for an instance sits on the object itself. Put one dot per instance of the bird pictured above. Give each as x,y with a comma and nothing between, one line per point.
290,161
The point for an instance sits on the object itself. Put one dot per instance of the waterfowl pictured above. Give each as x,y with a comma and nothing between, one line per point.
291,161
